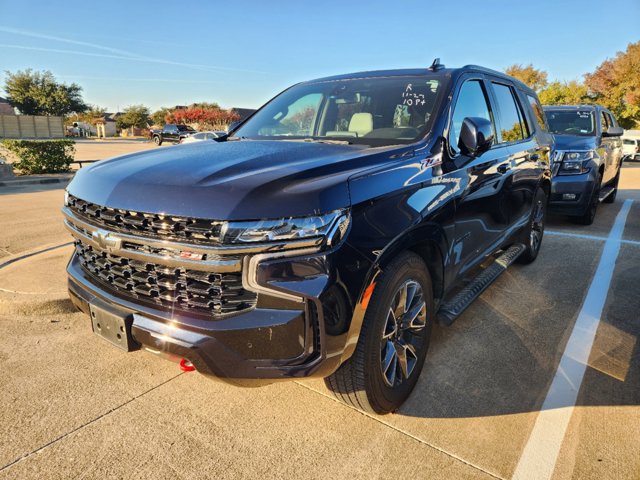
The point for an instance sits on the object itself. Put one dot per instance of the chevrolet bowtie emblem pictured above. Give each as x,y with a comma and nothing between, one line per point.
106,241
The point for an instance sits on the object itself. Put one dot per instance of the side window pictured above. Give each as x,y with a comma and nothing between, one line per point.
509,116
538,112
472,102
603,122
611,120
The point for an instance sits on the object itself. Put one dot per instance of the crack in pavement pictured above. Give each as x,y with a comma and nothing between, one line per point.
86,424
31,254
399,430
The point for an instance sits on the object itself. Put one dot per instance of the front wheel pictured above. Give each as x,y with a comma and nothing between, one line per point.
393,341
157,140
535,228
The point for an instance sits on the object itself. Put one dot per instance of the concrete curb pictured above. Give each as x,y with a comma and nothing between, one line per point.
18,182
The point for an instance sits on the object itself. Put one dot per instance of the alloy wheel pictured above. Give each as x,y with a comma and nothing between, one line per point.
537,226
402,337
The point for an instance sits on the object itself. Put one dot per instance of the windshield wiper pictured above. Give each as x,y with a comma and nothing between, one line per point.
322,140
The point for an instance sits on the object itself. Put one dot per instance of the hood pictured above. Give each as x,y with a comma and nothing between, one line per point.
574,142
238,180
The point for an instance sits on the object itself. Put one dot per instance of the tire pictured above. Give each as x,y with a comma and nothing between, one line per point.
533,233
589,215
157,140
612,196
376,379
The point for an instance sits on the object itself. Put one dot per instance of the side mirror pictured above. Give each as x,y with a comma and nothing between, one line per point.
476,136
613,132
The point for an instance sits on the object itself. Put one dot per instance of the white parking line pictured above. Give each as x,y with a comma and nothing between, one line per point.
588,237
540,454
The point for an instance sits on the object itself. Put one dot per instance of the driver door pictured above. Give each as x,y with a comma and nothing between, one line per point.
482,210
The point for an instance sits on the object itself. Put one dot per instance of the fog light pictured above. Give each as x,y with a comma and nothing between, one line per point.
569,196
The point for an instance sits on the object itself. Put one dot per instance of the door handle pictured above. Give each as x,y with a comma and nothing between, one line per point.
504,168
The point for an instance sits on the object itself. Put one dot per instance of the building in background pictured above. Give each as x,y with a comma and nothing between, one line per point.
6,108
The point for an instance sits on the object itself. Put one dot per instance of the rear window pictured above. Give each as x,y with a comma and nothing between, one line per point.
509,114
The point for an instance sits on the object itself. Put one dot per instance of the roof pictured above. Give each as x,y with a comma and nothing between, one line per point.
407,72
582,106
3,100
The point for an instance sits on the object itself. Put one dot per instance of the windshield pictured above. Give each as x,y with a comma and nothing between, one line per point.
571,122
371,111
185,128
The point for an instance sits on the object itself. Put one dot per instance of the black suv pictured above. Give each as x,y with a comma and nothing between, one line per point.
171,133
324,236
587,160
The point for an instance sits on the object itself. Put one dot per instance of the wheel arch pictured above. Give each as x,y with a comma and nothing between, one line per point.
429,243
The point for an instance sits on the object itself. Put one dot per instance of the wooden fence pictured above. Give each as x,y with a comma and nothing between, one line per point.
30,126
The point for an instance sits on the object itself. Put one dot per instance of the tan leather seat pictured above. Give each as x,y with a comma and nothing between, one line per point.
361,123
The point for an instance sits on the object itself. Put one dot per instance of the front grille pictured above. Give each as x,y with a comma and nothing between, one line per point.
172,288
165,227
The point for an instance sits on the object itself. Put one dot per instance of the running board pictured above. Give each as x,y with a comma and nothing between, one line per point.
453,308
605,192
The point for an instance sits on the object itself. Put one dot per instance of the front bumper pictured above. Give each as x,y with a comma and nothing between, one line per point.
579,185
277,339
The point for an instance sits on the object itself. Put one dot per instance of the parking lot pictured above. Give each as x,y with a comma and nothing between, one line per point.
489,403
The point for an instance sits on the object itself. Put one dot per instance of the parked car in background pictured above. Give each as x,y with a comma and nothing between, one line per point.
631,148
203,136
587,159
171,133
325,238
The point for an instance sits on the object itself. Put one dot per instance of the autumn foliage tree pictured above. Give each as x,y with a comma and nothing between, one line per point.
203,118
562,93
616,85
527,74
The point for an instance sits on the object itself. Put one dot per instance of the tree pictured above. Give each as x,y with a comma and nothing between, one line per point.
38,93
214,119
159,117
616,85
133,116
93,115
558,93
534,78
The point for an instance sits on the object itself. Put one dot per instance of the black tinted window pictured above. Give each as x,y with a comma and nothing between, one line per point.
509,117
471,102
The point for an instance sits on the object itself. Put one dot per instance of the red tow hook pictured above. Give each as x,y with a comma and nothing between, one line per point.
186,365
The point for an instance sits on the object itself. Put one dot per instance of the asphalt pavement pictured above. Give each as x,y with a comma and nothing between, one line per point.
486,406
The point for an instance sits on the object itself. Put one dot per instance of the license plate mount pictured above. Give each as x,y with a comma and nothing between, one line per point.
113,327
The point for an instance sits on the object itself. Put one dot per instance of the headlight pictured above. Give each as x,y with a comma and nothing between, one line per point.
574,163
294,228
578,156
66,198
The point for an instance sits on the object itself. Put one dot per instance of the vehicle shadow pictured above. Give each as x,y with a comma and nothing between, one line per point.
501,355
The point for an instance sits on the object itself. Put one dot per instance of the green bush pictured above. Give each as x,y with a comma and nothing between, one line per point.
41,156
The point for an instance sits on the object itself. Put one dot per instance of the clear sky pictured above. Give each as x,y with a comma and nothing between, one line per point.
240,53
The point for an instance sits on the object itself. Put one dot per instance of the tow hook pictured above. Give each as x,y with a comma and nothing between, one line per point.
186,365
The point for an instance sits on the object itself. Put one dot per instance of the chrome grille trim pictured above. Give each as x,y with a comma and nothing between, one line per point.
134,248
